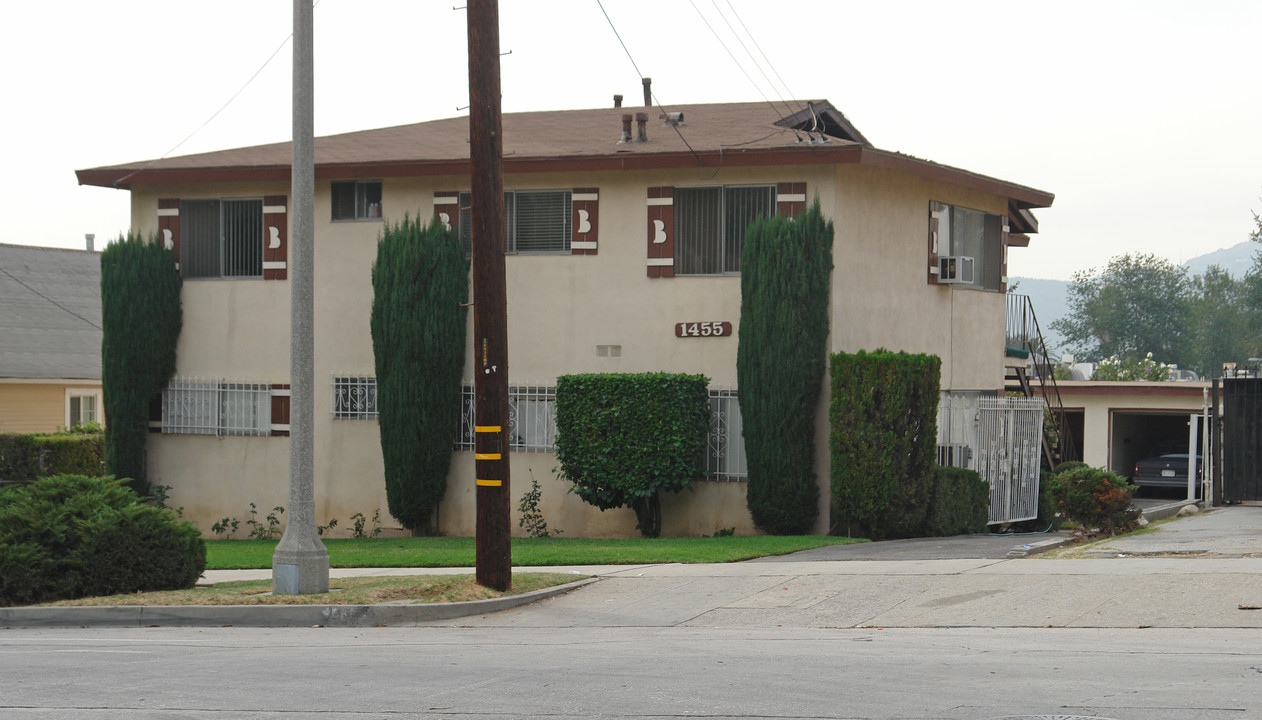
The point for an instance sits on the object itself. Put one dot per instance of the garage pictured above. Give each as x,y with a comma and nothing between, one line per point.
1137,434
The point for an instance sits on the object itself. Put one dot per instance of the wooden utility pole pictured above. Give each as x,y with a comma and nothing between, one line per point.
490,306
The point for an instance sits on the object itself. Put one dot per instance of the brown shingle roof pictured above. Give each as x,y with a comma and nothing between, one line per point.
564,140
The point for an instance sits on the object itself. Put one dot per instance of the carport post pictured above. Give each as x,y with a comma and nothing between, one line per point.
1194,424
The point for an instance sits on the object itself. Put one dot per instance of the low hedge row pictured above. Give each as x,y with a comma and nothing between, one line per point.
26,457
69,536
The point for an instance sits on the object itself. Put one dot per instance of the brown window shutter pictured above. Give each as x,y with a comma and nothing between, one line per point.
934,217
1003,249
661,232
790,199
583,220
447,209
280,410
169,226
155,413
275,237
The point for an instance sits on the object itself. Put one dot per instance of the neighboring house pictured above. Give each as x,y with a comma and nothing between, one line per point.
50,338
624,256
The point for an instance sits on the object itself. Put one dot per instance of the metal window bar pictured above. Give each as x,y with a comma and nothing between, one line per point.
725,445
213,406
957,429
531,418
354,396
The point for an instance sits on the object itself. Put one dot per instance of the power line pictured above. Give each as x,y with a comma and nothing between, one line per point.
747,52
214,115
731,55
760,52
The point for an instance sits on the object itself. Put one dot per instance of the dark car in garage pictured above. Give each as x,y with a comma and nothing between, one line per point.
1167,470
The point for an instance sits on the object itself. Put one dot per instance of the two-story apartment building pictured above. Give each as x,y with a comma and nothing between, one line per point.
624,243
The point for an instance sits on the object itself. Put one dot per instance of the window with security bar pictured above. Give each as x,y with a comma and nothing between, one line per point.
725,445
216,407
531,418
354,397
535,221
221,238
710,224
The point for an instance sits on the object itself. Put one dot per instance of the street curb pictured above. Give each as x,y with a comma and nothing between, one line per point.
1040,547
269,615
1161,512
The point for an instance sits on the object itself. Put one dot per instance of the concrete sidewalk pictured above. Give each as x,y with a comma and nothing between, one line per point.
1203,571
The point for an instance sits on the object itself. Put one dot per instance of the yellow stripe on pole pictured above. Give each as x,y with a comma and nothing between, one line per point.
486,456
487,428
490,483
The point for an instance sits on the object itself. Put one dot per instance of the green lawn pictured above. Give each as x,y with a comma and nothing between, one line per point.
459,551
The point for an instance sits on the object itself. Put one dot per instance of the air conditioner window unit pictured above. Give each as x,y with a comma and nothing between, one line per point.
955,269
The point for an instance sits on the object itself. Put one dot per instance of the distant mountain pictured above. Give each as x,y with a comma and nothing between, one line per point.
1051,297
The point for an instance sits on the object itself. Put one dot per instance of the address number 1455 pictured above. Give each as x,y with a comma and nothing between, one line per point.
703,329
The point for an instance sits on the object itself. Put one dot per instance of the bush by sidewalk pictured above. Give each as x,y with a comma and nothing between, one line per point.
71,536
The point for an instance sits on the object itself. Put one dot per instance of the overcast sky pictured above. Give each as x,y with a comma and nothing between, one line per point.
1142,117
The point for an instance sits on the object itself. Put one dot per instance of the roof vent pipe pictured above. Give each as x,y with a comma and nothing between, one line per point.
89,238
626,129
648,92
641,129
617,101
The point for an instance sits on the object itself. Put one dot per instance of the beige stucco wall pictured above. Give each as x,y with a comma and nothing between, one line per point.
39,406
560,308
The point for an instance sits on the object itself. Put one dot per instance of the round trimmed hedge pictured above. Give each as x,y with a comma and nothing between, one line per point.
70,536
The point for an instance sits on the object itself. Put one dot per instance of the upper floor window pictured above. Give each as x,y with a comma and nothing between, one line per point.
969,246
221,238
535,221
357,200
710,224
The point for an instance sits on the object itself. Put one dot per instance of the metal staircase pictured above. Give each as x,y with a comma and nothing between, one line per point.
1028,367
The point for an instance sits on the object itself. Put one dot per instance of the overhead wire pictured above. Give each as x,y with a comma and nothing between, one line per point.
750,54
216,114
760,51
48,299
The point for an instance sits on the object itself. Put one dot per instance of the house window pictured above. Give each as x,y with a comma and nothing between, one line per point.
535,221
354,397
221,238
216,407
357,200
710,224
531,418
82,407
969,245
725,446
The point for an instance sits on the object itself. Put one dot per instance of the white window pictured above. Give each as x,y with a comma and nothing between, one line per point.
970,245
532,418
83,406
354,397
710,224
216,407
535,221
221,238
357,200
725,446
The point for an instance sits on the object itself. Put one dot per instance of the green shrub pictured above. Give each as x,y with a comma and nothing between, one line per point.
959,503
140,320
883,434
780,363
623,439
71,536
420,283
1095,498
19,462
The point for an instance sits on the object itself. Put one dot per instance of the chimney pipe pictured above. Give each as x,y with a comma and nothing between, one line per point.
648,92
89,237
626,129
617,101
641,131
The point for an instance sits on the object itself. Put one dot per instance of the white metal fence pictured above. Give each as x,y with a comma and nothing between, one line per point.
214,406
1000,438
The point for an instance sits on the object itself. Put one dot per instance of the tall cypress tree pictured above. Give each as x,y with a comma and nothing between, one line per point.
780,363
140,320
420,281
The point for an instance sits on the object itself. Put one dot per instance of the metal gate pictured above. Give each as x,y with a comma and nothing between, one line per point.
1009,437
1241,439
